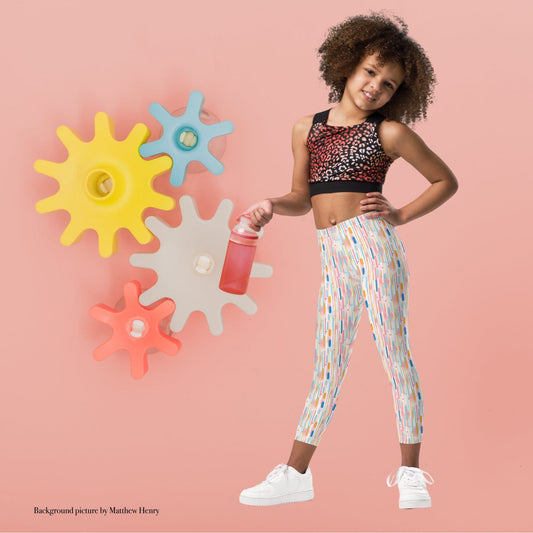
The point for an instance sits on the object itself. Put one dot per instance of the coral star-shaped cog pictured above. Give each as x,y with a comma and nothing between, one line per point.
186,138
189,265
105,184
135,329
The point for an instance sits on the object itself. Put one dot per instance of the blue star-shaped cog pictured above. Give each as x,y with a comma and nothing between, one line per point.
186,138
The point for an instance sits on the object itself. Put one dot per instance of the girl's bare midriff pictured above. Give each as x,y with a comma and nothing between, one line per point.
331,208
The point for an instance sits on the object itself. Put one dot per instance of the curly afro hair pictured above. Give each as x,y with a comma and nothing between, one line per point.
353,39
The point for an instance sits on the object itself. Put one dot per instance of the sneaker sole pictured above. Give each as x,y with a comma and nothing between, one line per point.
288,498
415,504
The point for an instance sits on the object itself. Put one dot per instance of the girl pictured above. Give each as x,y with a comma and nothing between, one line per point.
381,80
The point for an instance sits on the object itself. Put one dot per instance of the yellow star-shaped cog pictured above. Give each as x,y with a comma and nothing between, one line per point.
105,184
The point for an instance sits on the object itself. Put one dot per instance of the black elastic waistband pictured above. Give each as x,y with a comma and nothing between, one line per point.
320,187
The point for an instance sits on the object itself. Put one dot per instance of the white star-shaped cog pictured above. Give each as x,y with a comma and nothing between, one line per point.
189,264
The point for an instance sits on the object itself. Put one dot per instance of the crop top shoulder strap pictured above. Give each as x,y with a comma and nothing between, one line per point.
322,116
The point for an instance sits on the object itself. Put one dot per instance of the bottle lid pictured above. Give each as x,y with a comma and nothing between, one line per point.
244,229
245,219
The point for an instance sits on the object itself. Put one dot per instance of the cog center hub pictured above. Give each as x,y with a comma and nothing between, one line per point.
137,328
186,138
203,263
99,184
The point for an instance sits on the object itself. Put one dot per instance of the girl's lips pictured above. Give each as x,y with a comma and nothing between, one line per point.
368,97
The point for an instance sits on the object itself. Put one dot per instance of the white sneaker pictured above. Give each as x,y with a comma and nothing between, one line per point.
283,485
412,485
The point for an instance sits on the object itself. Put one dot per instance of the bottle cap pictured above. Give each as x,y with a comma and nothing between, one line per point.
244,227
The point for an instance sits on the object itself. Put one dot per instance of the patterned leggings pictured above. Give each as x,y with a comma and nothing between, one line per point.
363,266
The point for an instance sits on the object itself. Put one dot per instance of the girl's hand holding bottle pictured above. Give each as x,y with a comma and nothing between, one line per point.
260,213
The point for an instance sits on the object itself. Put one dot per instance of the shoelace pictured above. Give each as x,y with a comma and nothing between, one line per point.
278,471
412,476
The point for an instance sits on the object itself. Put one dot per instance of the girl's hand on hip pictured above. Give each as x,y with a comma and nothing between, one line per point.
376,205
260,214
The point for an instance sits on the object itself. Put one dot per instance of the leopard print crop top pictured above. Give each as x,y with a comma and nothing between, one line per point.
346,158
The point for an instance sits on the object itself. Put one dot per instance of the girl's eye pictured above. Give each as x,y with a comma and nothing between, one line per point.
371,72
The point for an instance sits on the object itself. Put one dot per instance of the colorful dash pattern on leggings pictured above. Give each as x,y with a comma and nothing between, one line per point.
364,266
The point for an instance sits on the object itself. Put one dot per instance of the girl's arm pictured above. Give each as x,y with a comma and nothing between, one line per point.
407,144
298,201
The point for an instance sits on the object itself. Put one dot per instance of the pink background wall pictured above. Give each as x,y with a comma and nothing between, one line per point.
201,426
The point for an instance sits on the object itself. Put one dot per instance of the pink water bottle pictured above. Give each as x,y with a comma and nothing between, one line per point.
239,257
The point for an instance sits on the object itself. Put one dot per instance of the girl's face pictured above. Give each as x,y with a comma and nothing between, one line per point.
370,87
